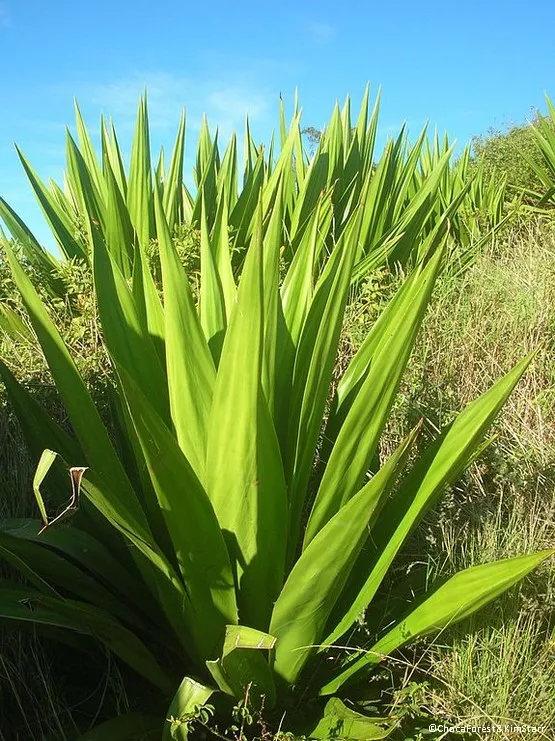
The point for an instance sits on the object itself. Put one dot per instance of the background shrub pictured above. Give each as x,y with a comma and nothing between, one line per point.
509,151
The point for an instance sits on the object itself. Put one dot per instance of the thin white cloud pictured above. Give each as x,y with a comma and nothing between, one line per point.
228,106
224,104
5,19
236,102
118,99
322,32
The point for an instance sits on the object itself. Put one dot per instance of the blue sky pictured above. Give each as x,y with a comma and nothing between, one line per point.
461,66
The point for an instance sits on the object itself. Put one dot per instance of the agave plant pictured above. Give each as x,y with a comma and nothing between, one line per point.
481,202
403,189
406,192
226,535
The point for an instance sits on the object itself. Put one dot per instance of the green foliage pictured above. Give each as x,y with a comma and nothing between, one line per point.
73,310
512,153
313,135
223,538
544,135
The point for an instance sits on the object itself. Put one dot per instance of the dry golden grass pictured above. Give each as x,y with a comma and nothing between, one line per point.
499,665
